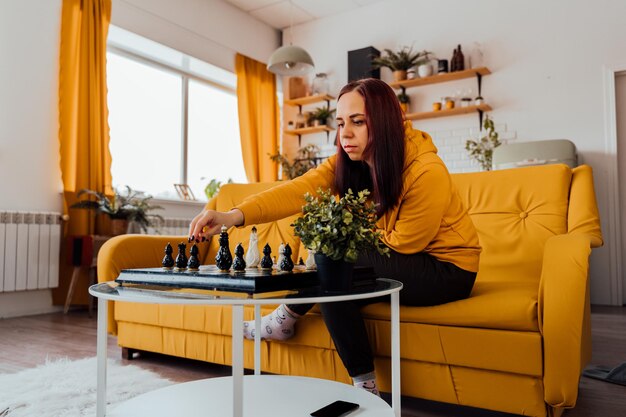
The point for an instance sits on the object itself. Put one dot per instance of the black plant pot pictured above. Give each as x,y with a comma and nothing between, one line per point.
334,276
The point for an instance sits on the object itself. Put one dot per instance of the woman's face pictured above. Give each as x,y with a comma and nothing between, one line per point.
352,126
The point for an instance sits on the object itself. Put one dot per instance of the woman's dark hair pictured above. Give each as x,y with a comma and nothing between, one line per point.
384,150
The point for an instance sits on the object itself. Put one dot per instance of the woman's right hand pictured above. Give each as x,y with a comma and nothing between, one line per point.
209,222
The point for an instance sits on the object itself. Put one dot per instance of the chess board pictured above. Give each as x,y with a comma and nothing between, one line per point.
252,280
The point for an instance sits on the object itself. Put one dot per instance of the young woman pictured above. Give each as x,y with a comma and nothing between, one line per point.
434,246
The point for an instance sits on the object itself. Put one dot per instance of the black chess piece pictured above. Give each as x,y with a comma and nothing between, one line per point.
287,264
224,259
239,263
266,261
301,261
168,260
181,258
194,262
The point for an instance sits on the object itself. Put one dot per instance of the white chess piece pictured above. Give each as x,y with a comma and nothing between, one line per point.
253,256
281,255
310,260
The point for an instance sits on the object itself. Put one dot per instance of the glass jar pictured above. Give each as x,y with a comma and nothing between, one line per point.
320,84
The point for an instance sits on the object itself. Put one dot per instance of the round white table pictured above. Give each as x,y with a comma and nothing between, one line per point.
239,396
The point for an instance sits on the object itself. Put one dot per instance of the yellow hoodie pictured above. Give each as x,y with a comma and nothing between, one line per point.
430,217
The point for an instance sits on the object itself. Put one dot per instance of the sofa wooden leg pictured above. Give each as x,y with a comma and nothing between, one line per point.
128,353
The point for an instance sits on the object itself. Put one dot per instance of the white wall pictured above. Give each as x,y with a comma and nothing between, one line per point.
546,58
210,30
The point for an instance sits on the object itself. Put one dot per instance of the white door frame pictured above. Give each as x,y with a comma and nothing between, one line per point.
613,235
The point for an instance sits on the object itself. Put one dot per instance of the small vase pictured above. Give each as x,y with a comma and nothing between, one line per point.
334,276
425,70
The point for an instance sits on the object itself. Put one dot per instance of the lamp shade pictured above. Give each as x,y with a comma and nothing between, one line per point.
290,60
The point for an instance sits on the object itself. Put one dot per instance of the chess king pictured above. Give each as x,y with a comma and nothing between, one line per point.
224,259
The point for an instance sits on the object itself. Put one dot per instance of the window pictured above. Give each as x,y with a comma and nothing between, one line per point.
173,118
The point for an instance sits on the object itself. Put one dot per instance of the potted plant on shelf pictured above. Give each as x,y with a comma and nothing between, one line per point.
320,116
404,100
398,62
481,150
307,158
424,64
338,229
124,208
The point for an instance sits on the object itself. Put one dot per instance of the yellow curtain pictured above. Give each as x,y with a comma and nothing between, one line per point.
85,158
83,114
258,118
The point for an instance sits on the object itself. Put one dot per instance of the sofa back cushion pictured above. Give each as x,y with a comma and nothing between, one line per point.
273,233
515,211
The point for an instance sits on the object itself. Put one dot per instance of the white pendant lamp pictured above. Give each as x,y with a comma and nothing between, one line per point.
289,59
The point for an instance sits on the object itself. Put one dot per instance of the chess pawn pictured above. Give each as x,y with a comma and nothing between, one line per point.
310,260
181,258
194,262
168,260
253,256
300,261
224,259
281,254
239,264
266,262
286,264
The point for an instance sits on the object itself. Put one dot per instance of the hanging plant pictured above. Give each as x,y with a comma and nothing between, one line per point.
481,150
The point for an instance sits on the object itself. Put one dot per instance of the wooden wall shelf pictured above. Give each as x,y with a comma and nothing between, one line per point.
444,113
303,101
308,130
441,78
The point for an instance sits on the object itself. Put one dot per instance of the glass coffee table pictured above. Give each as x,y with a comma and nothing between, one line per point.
254,395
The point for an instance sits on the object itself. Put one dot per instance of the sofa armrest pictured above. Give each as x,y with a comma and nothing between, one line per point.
135,251
564,316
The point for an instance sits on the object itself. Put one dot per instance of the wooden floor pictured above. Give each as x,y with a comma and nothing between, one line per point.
27,341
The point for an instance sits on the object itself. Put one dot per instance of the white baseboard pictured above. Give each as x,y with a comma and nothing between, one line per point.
26,303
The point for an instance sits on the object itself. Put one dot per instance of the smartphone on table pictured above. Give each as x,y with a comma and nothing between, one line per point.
336,409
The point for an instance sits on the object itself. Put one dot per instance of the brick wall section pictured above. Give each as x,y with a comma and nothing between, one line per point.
451,146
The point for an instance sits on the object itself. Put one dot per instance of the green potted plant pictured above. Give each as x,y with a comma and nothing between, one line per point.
398,62
307,159
320,116
338,229
124,208
481,150
404,100
213,187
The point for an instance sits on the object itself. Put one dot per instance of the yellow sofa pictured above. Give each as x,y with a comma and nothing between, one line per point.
517,345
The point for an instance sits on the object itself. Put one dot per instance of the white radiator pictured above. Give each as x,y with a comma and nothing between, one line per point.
171,226
30,244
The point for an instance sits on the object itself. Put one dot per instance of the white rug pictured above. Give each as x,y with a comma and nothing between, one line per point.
66,388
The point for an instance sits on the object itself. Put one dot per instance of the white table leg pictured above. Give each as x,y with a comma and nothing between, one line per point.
395,353
257,339
101,349
237,341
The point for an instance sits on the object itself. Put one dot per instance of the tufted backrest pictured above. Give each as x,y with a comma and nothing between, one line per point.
273,233
515,211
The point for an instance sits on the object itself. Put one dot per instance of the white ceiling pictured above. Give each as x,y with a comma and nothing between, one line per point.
278,13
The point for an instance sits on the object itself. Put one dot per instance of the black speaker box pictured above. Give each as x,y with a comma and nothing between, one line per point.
360,64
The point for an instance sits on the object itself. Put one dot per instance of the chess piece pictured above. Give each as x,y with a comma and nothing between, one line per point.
286,264
310,260
168,260
266,262
194,262
224,259
181,258
281,254
253,256
239,263
301,261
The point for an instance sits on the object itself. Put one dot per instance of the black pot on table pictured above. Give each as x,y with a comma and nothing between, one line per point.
335,276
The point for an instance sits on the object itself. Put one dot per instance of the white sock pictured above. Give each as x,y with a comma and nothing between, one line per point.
278,325
367,382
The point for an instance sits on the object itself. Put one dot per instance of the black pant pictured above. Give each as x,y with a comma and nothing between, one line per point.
427,282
